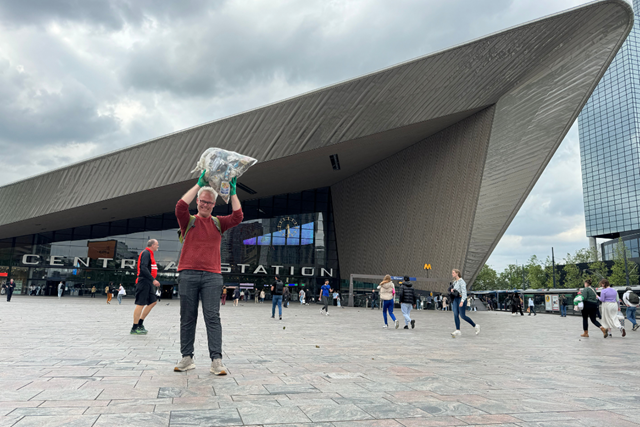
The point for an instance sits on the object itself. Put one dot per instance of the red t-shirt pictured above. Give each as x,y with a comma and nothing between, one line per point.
201,248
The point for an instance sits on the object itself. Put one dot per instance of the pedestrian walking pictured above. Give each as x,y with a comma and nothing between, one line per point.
109,291
516,305
236,296
325,295
286,295
631,300
387,295
374,300
458,295
277,290
301,295
8,289
121,293
590,309
146,286
563,305
199,268
445,303
60,289
242,295
532,307
224,295
93,291
262,296
407,298
610,308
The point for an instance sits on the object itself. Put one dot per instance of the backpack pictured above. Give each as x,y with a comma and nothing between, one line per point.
633,298
192,223
279,287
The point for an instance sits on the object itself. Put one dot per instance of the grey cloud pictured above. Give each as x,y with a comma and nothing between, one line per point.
110,15
29,113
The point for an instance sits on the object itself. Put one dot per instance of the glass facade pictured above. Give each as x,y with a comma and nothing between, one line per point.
289,235
609,128
630,241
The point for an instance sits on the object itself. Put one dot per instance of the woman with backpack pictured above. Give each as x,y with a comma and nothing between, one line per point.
590,309
387,295
610,308
458,296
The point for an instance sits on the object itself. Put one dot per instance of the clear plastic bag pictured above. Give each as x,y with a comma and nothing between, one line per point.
222,166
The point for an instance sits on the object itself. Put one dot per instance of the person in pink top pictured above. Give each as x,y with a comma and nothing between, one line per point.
610,308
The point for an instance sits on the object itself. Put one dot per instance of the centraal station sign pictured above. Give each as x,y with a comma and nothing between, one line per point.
53,261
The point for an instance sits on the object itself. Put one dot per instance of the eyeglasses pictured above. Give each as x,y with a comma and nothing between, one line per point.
207,203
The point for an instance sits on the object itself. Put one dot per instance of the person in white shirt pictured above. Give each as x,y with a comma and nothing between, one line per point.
631,300
121,293
532,307
60,289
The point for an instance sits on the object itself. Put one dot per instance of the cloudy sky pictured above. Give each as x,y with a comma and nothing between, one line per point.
82,78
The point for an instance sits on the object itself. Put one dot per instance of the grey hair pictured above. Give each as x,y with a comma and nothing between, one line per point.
151,242
208,190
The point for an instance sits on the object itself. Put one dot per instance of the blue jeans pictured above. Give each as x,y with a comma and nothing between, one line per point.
277,299
387,305
563,310
460,312
406,312
631,314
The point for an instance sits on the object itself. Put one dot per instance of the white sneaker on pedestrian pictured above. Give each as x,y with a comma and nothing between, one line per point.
477,329
455,333
385,326
217,368
513,314
321,311
327,313
397,324
185,364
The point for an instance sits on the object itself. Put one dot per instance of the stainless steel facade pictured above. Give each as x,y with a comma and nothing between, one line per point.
523,87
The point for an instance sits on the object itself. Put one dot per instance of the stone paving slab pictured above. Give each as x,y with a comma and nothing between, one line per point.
309,370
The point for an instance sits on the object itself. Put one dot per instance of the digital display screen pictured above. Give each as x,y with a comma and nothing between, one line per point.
295,236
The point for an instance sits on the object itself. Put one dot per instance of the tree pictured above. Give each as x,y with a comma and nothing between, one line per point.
572,276
486,280
536,277
597,269
618,271
583,256
511,277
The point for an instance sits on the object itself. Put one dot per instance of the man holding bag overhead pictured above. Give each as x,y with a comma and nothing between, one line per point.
200,276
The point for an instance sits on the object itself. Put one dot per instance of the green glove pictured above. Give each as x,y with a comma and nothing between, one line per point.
203,182
232,185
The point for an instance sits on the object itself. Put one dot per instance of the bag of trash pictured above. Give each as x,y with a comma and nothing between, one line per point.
222,166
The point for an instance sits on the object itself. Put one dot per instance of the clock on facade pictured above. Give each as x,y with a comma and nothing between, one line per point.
289,225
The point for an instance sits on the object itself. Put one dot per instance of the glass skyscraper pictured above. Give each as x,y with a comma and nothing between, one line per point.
609,128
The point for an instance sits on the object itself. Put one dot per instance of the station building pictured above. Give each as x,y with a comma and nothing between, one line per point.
425,162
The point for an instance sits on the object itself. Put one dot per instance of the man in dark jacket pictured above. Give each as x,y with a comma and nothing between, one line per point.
8,288
407,301
374,300
146,285
277,289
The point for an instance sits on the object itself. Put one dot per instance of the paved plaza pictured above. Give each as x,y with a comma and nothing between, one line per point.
72,362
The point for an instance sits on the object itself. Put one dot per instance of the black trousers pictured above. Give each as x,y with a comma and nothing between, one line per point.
516,308
9,293
589,312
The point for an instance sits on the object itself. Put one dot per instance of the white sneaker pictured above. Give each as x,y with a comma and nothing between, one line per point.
327,313
385,326
397,323
456,333
185,364
513,314
477,329
321,311
217,368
